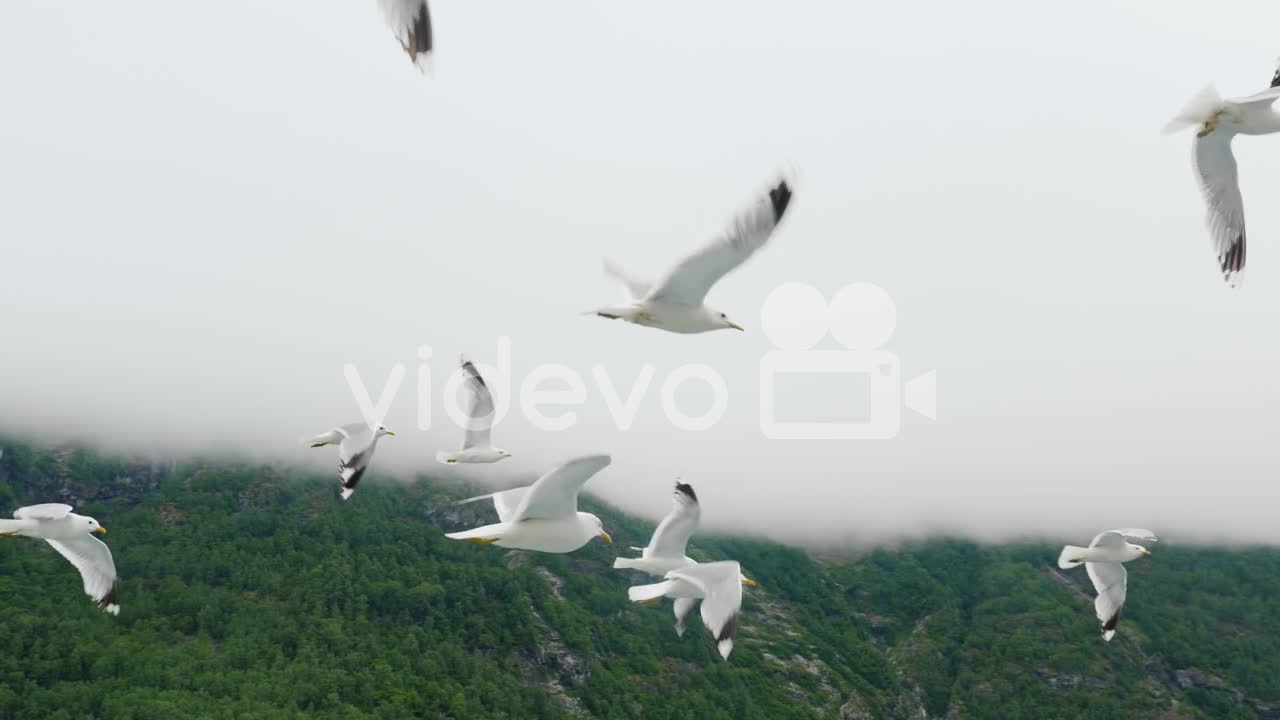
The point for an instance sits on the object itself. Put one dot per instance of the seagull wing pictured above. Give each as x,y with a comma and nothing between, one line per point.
93,559
721,582
354,454
555,495
688,282
410,21
671,538
1117,538
636,288
480,419
1220,185
1111,582
46,511
506,502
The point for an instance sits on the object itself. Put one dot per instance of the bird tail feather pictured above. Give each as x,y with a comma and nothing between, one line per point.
641,593
622,563
1197,110
12,526
1072,556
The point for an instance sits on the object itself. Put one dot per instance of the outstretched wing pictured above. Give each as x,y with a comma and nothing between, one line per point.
480,419
721,583
671,537
506,502
98,570
555,495
688,282
1117,538
46,511
355,452
1215,167
1111,582
636,288
681,607
410,21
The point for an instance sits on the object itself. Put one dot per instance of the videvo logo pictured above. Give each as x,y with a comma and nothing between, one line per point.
861,318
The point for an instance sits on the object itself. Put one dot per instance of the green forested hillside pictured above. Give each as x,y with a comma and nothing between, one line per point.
252,592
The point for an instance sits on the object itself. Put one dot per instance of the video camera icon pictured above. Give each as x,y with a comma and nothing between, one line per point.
861,317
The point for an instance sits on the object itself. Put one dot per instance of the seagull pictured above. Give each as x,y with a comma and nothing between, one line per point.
543,516
1102,561
1219,121
356,443
675,303
411,23
70,534
666,549
717,584
476,447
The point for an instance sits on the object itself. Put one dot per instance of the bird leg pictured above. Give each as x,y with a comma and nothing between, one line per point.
651,601
482,541
1209,126
9,534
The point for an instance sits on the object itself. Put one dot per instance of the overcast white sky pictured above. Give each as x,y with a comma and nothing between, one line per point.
207,212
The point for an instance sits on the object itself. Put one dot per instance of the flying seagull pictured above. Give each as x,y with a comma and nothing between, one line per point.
543,516
1219,121
675,303
70,534
356,443
666,549
476,446
410,21
1102,560
717,584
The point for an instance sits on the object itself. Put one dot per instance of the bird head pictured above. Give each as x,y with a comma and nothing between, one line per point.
382,430
94,526
600,533
722,321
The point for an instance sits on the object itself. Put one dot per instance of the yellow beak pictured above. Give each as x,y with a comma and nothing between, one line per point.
391,433
749,581
1146,552
736,326
606,537
100,530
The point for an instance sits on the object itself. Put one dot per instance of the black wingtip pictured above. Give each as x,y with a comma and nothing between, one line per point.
1232,261
780,197
730,629
1275,79
351,482
1110,625
420,40
111,598
687,489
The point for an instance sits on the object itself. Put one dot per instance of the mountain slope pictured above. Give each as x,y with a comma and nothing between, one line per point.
251,592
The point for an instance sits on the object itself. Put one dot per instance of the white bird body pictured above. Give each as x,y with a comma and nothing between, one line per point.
1103,561
560,535
1219,121
356,444
543,516
666,549
477,444
675,302
70,534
